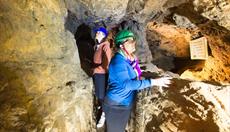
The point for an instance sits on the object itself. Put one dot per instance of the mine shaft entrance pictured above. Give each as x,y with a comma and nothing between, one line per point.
85,45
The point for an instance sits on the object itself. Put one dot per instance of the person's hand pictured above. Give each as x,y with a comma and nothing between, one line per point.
162,82
96,47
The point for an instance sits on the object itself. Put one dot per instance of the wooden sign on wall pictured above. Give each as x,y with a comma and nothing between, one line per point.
199,49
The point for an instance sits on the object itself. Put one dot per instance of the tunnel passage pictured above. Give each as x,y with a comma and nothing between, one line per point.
85,45
161,57
169,46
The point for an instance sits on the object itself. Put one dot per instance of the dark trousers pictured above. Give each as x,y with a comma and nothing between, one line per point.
100,82
117,117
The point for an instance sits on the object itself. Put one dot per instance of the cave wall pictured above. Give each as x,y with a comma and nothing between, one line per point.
184,106
212,20
42,87
183,19
126,14
169,40
214,10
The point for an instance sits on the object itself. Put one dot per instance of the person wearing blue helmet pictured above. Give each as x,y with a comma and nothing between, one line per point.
101,34
101,59
124,81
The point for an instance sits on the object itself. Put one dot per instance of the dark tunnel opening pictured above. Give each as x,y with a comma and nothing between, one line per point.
183,64
85,44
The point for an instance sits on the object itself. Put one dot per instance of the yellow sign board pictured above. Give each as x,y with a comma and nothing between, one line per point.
199,49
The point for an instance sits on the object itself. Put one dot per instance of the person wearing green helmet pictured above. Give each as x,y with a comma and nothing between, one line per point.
124,81
122,36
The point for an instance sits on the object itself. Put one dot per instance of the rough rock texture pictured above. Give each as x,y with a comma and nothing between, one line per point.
169,46
167,42
185,106
170,41
217,10
42,87
91,12
216,68
132,14
186,18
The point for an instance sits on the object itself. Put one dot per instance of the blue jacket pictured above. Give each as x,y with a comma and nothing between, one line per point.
123,82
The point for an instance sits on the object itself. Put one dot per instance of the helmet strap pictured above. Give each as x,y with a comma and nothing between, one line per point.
127,54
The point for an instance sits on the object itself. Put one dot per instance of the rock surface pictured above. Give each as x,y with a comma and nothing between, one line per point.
42,85
185,106
214,10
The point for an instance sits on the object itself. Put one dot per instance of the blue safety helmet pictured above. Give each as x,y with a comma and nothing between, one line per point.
102,29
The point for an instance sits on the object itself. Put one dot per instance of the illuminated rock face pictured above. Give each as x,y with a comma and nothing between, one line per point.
169,45
185,106
177,23
172,37
42,85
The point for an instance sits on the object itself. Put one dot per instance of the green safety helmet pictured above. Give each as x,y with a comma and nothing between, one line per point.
122,36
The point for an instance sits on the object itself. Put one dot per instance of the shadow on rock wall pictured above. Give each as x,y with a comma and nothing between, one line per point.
85,46
16,114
